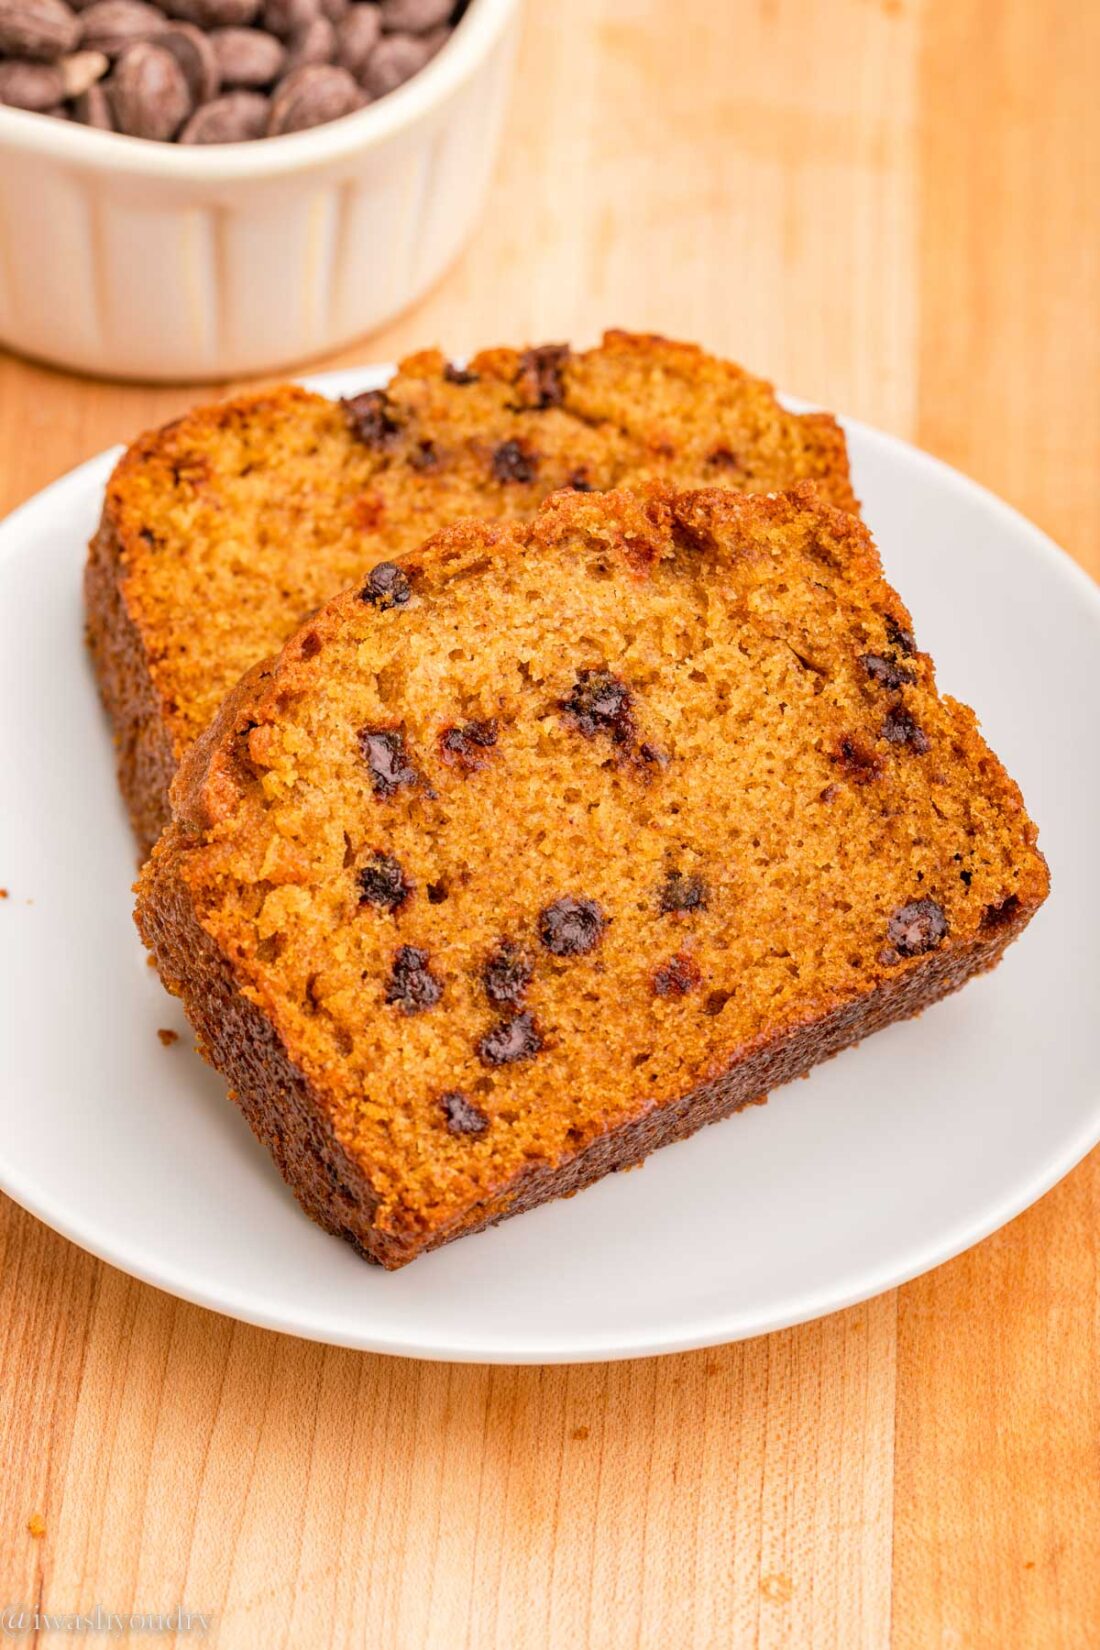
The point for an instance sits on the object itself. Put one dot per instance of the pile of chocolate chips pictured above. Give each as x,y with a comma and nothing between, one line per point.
213,71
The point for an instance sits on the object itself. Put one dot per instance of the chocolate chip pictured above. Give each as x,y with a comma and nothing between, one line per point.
387,586
109,26
238,117
415,16
966,877
315,44
288,17
507,974
650,753
150,97
571,927
196,56
313,93
35,87
682,893
247,58
37,30
917,927
899,728
459,375
856,760
424,457
886,672
463,1117
600,703
395,59
437,893
579,482
370,420
539,380
210,14
358,30
322,59
676,977
465,747
511,1040
899,637
997,916
382,882
512,461
412,985
383,751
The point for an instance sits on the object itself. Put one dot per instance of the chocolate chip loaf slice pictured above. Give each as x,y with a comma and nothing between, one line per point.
222,532
570,836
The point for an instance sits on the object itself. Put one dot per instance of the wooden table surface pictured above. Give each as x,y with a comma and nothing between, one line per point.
891,206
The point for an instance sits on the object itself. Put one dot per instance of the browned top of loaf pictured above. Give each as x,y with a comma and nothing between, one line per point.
546,836
234,523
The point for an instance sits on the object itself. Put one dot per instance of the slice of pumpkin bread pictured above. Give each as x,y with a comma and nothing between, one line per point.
568,837
223,531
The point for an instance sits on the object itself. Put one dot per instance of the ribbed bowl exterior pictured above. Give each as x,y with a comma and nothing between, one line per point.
188,276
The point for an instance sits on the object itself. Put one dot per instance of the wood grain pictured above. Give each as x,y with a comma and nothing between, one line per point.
882,204
997,1533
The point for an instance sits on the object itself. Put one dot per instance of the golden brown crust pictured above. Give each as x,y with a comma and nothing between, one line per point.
293,1120
142,729
809,855
174,498
149,730
281,1108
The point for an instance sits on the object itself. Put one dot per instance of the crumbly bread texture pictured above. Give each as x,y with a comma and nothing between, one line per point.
567,837
222,532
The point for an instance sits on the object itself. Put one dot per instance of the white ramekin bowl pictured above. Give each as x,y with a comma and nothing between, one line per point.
145,260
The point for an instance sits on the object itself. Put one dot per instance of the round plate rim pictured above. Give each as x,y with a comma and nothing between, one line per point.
718,1329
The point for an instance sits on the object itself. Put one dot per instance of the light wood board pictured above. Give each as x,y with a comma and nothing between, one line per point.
892,207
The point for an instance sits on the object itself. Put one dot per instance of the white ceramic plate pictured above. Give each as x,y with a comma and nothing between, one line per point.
887,1161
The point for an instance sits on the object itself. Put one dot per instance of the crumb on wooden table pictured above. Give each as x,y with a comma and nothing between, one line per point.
36,1526
167,1037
